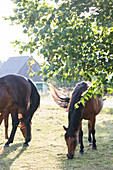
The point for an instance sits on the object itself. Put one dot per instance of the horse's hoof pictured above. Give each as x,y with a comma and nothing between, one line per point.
25,145
81,153
90,143
6,145
94,148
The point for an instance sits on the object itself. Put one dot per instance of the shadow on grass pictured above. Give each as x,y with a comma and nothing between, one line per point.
6,162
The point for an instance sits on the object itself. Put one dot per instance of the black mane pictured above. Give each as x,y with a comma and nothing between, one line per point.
74,121
76,95
75,113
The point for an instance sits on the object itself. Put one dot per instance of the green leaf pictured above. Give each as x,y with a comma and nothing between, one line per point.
39,73
45,71
20,52
76,106
82,101
36,39
89,44
42,31
56,1
35,30
45,78
25,31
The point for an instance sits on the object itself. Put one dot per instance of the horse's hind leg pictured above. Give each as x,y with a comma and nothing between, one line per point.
6,118
22,125
15,122
27,121
28,133
94,147
89,133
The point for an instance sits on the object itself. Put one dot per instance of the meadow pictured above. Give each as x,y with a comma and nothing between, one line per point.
47,149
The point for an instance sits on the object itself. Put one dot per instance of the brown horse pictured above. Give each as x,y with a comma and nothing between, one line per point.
74,133
16,92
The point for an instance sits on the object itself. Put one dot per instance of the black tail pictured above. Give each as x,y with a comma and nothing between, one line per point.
34,99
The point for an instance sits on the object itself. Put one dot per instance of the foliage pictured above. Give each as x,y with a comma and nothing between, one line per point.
75,38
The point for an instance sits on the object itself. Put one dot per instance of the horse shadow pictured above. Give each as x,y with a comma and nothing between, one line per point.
7,162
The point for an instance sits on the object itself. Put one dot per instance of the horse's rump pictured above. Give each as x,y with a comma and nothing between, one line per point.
92,107
15,90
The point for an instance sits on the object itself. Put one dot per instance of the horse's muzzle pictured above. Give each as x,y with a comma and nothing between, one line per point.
70,156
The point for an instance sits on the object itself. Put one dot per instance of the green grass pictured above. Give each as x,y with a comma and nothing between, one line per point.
47,149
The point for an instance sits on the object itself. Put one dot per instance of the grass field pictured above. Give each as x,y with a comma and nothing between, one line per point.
47,149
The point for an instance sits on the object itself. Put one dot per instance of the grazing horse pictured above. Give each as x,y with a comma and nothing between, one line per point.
74,133
16,94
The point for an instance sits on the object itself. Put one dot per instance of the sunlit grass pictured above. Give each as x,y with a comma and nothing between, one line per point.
47,149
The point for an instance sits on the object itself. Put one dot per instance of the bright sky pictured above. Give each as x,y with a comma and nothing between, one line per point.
9,33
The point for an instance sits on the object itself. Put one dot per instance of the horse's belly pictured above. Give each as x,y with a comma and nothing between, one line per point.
89,115
86,117
4,106
5,100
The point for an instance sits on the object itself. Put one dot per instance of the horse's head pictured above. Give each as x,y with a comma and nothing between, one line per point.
71,141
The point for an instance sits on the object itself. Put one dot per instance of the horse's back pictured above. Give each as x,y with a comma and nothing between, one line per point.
92,108
14,80
15,89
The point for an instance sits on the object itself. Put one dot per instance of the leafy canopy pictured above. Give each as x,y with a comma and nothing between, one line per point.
75,38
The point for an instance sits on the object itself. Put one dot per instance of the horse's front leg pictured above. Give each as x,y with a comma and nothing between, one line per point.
6,118
81,140
15,122
5,115
1,117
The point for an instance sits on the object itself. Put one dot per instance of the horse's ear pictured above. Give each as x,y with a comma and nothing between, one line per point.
65,128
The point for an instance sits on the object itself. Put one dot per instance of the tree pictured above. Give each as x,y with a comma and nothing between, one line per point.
75,38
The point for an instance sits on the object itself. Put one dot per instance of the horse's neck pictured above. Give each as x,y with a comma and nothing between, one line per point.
75,118
74,99
75,114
